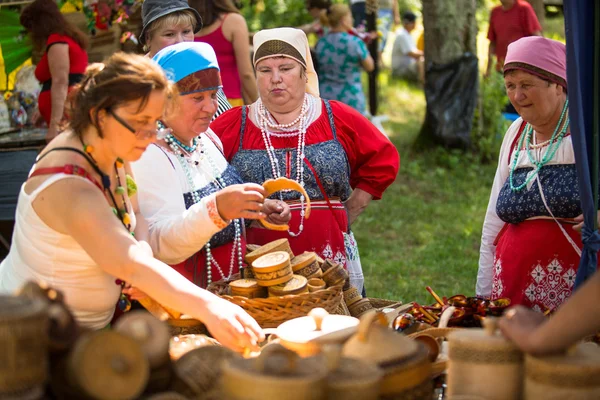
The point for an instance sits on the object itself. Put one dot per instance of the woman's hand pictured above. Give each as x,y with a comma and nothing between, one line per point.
232,326
277,212
356,204
134,293
520,325
241,201
579,220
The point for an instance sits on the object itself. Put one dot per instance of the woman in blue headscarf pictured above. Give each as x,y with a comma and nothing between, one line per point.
194,201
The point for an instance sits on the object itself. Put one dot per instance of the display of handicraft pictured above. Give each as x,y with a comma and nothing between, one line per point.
468,312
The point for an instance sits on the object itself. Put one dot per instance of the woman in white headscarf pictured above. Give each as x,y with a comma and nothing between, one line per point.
339,157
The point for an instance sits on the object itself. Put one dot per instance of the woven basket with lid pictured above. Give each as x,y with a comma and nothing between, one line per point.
574,376
484,363
23,344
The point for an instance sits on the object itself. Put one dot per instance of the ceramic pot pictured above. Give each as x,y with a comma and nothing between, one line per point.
272,269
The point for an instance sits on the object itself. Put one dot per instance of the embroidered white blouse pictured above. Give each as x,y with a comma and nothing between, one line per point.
177,233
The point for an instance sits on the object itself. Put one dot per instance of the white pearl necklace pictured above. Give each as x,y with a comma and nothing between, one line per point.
197,160
298,127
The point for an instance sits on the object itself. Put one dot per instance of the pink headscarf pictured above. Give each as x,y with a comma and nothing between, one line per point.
538,56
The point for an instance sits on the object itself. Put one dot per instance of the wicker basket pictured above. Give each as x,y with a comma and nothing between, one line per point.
382,303
273,311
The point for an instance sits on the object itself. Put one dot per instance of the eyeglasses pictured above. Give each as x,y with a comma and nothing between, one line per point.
160,132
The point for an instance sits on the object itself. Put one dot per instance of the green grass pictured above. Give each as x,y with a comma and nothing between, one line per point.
426,230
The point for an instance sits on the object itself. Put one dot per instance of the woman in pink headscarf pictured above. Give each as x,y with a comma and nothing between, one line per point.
529,249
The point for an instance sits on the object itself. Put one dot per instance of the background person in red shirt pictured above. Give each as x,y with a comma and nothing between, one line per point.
509,22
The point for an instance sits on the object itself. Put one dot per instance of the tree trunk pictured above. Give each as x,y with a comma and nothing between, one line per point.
450,31
540,10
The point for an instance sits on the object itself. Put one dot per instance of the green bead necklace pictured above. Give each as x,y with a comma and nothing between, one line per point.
551,150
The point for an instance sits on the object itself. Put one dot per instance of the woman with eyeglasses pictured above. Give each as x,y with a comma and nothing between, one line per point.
196,204
77,226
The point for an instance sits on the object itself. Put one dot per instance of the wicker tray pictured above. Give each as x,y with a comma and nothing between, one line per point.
273,311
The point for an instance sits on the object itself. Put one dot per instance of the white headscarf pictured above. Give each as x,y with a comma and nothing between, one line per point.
287,42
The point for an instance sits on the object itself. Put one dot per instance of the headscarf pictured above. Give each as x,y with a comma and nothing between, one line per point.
191,65
544,58
287,42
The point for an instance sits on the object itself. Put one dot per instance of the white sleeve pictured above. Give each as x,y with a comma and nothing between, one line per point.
175,233
492,224
404,42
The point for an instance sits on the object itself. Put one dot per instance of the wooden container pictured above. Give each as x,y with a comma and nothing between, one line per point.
277,245
247,288
182,344
318,274
186,325
23,344
306,335
352,295
297,285
108,365
354,380
305,264
278,373
573,376
198,372
404,362
315,284
360,307
335,275
151,334
484,363
272,268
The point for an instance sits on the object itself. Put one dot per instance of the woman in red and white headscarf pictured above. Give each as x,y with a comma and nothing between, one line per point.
340,158
529,249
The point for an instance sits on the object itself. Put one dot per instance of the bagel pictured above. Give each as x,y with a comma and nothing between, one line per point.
276,185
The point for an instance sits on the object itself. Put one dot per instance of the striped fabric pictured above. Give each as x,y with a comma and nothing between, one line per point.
223,104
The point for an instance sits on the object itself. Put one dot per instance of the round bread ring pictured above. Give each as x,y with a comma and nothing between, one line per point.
275,185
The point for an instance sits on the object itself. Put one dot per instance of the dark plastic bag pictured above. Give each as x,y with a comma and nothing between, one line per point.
451,93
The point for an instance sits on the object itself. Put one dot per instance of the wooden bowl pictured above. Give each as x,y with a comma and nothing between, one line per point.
272,269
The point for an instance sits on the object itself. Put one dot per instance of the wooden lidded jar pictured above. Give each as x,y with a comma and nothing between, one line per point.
23,344
276,245
297,285
484,363
272,269
305,264
247,288
573,376
278,373
404,362
108,365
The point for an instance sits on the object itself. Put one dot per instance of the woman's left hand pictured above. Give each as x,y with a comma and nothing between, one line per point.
277,212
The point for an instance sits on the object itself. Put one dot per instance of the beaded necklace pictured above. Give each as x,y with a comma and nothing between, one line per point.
553,145
298,127
124,303
186,165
